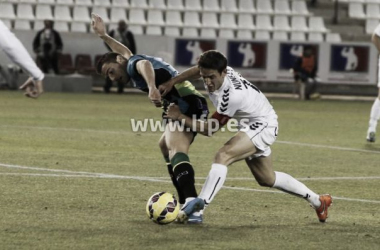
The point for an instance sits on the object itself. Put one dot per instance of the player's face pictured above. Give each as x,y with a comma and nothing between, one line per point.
212,78
115,72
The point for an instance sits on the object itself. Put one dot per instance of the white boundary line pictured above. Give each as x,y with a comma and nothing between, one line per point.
81,174
219,137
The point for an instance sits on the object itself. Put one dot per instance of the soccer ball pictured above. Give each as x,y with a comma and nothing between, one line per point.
162,208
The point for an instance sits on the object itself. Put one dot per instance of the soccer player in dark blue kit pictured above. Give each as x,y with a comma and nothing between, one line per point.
147,73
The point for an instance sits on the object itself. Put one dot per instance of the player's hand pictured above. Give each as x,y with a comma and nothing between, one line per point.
98,25
173,112
33,89
166,87
155,97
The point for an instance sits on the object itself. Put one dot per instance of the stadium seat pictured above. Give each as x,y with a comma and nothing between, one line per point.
228,6
155,17
299,23
51,2
83,2
78,27
25,11
136,29
118,14
281,23
316,24
264,7
210,20
44,12
333,37
101,11
22,25
208,33
191,19
172,31
139,4
211,5
227,20
81,14
173,18
28,1
190,32
245,21
153,30
38,25
262,35
315,37
104,3
8,23
61,26
372,10
157,4
227,34
282,7
246,6
62,13
137,16
120,3
297,36
280,35
65,2
7,11
193,5
175,5
355,10
83,64
370,25
299,8
263,22
244,34
65,64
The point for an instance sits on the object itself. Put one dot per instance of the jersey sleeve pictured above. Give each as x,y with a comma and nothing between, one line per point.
131,66
228,104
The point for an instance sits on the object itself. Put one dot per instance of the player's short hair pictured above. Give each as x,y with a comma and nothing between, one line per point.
106,58
213,59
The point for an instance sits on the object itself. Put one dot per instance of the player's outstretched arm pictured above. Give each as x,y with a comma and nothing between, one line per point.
100,29
189,74
145,69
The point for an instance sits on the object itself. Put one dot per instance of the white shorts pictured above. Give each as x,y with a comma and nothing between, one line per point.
378,73
262,135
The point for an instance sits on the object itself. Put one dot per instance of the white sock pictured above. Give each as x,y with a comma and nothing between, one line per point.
375,115
214,182
290,185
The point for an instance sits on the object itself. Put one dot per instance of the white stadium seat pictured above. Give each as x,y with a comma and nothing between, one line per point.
139,4
315,37
65,2
263,22
281,23
175,4
228,6
193,5
157,4
264,7
227,20
38,25
316,24
191,19
210,20
24,11
370,25
137,16
8,23
44,12
172,31
104,3
154,30
155,17
61,26
372,10
190,32
136,29
101,11
299,23
62,13
120,3
262,35
7,11
51,2
280,35
28,1
83,2
78,27
208,33
81,14
333,37
244,34
227,34
282,7
173,18
245,21
22,25
211,5
118,14
246,6
299,8
297,36
355,10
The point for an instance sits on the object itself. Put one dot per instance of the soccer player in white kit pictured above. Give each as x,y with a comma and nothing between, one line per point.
235,97
14,49
375,110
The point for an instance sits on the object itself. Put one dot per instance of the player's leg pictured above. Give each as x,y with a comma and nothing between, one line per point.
374,117
165,153
262,169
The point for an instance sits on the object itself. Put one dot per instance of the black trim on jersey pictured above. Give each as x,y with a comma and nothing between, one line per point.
225,99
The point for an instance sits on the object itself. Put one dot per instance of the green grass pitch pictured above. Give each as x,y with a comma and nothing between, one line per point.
74,176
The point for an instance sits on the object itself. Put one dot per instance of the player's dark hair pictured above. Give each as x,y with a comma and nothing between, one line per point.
108,57
213,59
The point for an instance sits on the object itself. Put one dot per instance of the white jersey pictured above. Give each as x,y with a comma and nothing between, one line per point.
14,49
240,99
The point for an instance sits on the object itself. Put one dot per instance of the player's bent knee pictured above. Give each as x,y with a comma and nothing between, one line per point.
223,157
